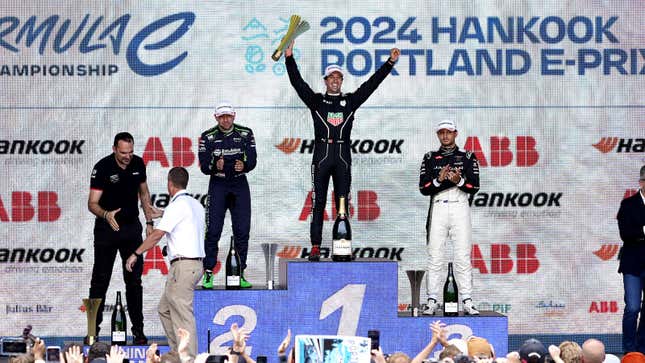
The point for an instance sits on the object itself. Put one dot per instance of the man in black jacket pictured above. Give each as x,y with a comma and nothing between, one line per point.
631,224
333,116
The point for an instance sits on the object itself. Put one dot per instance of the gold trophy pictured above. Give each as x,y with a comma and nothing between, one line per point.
92,309
296,27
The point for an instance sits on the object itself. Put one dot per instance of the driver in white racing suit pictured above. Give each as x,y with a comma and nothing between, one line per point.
451,177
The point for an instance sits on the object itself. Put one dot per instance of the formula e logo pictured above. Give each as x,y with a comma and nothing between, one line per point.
607,144
335,118
607,251
92,34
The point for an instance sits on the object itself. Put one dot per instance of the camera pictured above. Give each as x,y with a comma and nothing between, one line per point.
216,359
52,353
12,346
374,335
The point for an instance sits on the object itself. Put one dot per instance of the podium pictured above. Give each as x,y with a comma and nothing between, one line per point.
330,298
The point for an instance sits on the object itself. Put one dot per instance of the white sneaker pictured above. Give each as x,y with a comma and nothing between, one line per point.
431,307
469,307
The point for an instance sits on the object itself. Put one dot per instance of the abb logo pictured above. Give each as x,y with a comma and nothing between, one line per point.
155,260
182,153
500,151
607,144
500,261
603,307
23,209
368,209
607,251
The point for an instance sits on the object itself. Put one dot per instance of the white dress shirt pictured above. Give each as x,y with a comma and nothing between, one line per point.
183,221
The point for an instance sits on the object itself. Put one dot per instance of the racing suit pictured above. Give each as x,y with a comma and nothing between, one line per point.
449,215
333,117
227,189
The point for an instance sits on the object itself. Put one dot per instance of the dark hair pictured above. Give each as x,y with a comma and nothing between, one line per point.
178,176
123,136
98,350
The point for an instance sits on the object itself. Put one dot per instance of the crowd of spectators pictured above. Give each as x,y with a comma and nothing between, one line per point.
438,350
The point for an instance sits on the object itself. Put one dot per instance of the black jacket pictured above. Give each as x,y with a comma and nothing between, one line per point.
631,219
333,116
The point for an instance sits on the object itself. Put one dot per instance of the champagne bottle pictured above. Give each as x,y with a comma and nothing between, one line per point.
450,294
233,268
119,323
341,245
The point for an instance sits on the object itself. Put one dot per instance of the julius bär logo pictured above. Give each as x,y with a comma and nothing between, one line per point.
366,146
607,251
608,144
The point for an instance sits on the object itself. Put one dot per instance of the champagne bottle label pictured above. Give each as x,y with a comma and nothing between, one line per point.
341,247
450,307
232,280
118,336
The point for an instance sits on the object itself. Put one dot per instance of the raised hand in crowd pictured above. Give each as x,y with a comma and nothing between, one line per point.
282,348
183,336
74,354
513,357
116,355
39,349
240,336
377,356
554,351
151,354
437,336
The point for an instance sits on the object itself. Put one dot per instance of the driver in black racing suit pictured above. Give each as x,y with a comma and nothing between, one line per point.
333,116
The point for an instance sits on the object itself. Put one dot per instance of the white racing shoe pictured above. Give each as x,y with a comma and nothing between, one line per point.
469,307
432,307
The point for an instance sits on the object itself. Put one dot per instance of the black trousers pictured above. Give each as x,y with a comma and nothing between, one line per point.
107,243
341,174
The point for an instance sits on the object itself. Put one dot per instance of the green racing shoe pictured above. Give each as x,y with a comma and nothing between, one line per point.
245,284
207,281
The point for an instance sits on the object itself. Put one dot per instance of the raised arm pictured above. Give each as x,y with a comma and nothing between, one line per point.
305,92
368,87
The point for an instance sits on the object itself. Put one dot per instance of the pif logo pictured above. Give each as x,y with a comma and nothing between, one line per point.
607,144
500,151
23,210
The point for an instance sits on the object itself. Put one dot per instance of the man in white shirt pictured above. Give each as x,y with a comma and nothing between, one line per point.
183,225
